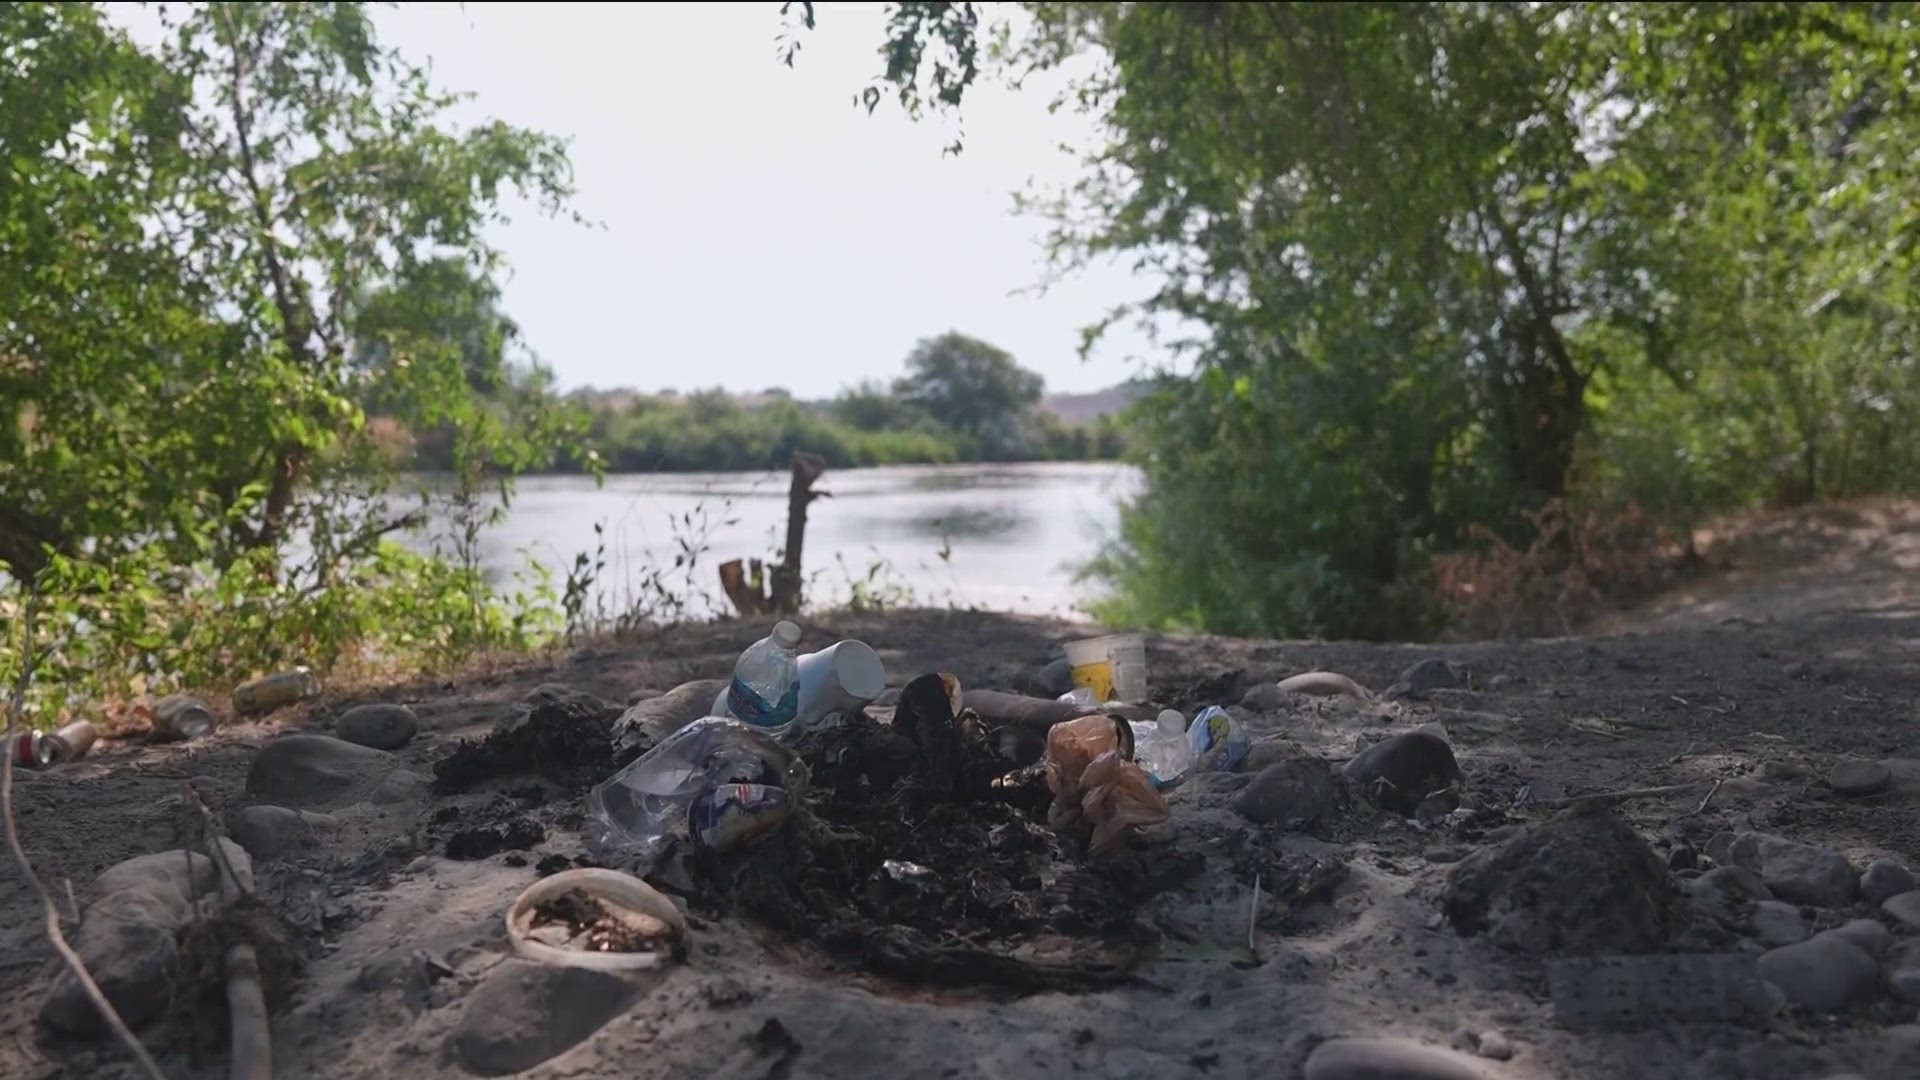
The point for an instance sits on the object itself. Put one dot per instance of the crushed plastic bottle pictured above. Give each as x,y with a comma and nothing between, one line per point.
765,691
1218,744
1162,749
716,783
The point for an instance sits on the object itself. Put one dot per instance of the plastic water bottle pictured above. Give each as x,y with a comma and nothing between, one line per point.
716,782
765,691
1161,747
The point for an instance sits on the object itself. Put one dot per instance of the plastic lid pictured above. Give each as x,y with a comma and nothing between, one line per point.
1173,720
785,634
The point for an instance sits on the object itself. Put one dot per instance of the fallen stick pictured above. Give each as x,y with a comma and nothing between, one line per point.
252,1056
49,910
1623,795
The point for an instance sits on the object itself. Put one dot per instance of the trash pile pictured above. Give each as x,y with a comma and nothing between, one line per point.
949,836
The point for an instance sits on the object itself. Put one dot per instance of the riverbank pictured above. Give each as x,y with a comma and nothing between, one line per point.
1357,926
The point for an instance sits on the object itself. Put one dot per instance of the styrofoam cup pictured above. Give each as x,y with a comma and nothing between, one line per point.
841,678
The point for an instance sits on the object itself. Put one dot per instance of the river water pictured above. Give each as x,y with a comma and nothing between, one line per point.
998,537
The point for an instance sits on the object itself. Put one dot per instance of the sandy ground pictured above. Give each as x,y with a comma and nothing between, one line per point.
1766,677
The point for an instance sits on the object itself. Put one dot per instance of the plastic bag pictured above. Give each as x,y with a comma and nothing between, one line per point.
1119,795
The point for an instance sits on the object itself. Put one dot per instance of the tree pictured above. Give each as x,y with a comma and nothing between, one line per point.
968,385
871,406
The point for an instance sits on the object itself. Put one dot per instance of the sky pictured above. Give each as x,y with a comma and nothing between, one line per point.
759,230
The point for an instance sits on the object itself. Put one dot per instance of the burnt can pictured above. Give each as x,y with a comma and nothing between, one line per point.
74,741
31,750
266,694
178,717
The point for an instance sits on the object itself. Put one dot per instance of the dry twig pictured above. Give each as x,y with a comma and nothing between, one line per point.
15,709
252,1055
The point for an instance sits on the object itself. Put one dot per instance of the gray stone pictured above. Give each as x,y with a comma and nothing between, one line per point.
1824,972
127,942
524,1014
1428,675
1885,878
182,874
1904,907
1399,772
1729,885
1264,698
639,696
1635,991
383,727
647,722
1805,874
1388,1059
273,832
1054,679
1776,923
1904,1036
1866,935
1270,752
1494,1046
1582,882
1297,793
1857,778
303,771
1903,971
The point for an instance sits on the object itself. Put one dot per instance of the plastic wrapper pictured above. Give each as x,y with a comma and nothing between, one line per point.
1118,796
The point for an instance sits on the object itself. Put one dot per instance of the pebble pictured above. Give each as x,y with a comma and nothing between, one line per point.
1494,1046
1388,1059
1427,675
1298,793
1264,698
1805,874
1824,972
1776,923
1884,879
524,1013
1904,907
382,727
1857,778
1324,684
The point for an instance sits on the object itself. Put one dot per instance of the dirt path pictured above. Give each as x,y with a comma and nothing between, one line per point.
1764,681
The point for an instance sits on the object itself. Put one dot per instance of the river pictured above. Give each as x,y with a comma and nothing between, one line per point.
998,537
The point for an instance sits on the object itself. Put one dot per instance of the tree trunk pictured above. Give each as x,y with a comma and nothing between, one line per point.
750,595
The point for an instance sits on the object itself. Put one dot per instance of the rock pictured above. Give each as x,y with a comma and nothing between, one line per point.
1864,934
1904,907
1643,990
127,941
639,696
648,722
1388,1059
1903,971
302,771
1264,698
1494,1046
1270,752
1297,794
554,701
1776,924
1428,675
525,1013
1729,885
181,874
1324,684
1857,778
1885,878
1054,679
273,832
1582,882
1904,1036
383,727
1400,771
1805,874
1824,972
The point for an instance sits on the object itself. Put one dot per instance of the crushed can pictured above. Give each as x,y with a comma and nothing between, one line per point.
73,742
266,694
731,816
31,750
178,718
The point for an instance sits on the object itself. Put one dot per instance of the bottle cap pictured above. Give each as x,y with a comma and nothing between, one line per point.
785,634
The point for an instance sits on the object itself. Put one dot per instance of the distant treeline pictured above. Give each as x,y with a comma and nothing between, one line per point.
961,401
